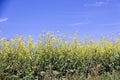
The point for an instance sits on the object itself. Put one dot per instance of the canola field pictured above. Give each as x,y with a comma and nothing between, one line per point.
52,58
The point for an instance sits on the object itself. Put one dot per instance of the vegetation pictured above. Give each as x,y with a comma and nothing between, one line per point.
52,58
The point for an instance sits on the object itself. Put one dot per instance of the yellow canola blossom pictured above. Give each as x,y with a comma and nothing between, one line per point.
6,47
30,42
22,45
20,38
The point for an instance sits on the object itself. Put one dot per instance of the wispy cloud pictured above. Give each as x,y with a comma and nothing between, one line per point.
96,4
3,19
77,24
116,23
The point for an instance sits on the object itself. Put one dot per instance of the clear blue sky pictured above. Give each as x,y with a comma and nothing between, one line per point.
87,17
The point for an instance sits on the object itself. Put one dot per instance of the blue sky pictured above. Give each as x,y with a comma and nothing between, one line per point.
87,17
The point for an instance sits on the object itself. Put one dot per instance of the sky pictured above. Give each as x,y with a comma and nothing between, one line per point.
86,17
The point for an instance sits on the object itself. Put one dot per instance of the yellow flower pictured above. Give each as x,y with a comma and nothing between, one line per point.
102,51
6,47
30,42
13,42
22,45
20,38
6,44
26,50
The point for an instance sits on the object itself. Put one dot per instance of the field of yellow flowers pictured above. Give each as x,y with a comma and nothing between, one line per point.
52,58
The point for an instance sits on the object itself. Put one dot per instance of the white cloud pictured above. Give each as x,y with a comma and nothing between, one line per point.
117,23
3,19
77,24
96,4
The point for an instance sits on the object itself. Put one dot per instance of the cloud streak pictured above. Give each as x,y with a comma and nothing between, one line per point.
77,24
96,4
117,23
3,19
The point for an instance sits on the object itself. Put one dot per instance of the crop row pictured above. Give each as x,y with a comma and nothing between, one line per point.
53,58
